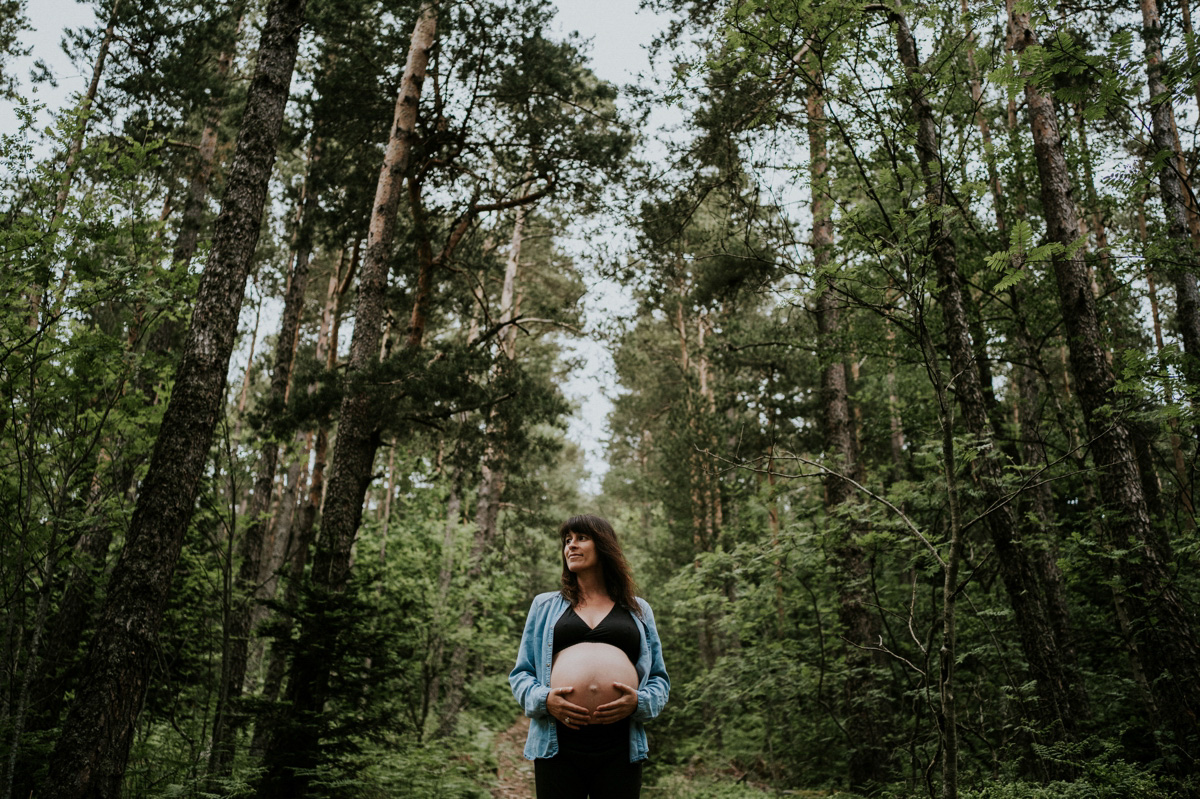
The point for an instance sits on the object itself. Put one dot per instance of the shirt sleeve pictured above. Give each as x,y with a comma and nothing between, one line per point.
653,697
529,693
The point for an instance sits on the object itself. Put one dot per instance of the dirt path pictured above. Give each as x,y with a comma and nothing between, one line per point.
514,773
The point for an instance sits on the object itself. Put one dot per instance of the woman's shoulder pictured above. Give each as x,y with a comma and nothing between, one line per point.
644,605
545,597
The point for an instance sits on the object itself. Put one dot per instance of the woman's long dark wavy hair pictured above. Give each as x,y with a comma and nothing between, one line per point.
617,579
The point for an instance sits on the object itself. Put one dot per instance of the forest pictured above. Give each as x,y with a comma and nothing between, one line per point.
905,380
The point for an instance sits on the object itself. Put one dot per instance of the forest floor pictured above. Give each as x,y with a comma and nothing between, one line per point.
514,773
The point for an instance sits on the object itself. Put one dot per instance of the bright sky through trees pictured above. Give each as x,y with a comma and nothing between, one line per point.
619,33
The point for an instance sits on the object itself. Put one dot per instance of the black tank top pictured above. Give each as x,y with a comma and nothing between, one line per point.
616,629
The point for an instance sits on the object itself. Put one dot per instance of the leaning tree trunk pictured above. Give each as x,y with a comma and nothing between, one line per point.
1051,670
90,756
1164,646
1184,263
247,585
292,750
860,627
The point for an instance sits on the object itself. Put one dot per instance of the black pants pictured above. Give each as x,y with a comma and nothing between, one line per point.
598,775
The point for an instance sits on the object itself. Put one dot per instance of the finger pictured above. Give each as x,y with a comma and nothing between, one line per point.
578,710
623,688
614,705
566,689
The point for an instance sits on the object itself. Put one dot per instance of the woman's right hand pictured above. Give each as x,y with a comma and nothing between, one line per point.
565,711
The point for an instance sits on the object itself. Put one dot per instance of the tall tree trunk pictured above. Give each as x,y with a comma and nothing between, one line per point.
985,131
1037,503
1161,626
164,337
1050,668
860,628
1185,9
1184,263
90,756
246,589
289,755
301,533
491,486
72,155
85,108
437,647
17,720
58,669
1181,470
895,424
948,651
488,506
387,502
357,433
1099,228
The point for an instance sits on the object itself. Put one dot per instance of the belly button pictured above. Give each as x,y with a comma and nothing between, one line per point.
593,688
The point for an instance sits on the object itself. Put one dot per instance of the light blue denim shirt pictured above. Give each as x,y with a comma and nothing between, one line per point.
530,678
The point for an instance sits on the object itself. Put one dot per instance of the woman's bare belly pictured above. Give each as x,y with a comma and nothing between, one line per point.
591,669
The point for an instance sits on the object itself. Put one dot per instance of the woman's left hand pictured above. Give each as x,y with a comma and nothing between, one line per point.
619,708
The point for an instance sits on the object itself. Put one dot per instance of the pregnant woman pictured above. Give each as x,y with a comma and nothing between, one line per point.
584,649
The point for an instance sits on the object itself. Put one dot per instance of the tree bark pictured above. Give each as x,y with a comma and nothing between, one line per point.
985,131
17,720
1051,670
868,759
301,533
357,434
1161,626
1181,470
164,337
246,589
90,756
290,755
1184,262
948,652
491,487
58,669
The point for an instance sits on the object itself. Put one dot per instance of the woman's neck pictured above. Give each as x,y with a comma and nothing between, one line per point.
592,588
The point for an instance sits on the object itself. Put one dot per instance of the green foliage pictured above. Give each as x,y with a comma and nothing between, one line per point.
1013,261
13,23
717,437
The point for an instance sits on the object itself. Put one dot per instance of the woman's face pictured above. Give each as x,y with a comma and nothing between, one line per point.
579,550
